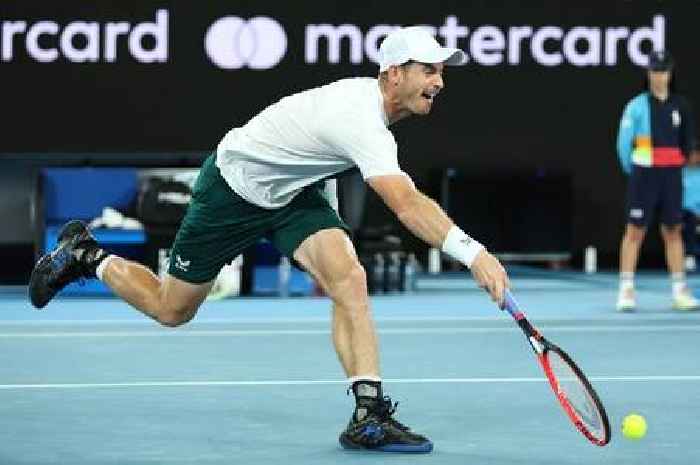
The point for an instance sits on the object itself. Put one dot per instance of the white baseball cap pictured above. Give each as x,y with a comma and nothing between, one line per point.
415,43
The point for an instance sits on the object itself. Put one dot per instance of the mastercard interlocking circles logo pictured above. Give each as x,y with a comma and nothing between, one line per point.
234,43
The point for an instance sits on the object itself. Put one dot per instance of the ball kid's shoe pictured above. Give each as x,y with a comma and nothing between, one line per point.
626,301
684,300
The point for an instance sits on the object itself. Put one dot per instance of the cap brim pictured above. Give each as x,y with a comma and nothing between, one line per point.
446,55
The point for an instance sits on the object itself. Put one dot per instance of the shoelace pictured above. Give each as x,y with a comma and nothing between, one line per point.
386,409
59,261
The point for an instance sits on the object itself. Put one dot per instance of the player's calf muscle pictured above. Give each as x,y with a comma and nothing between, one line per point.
142,289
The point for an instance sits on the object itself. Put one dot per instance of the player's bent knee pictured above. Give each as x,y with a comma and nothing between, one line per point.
173,316
173,320
356,279
178,301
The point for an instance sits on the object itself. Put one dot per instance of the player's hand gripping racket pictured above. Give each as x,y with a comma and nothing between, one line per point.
574,392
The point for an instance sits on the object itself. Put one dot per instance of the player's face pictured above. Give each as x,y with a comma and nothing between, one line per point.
659,79
421,83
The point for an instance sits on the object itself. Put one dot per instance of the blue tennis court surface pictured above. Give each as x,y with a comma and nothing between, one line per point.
257,381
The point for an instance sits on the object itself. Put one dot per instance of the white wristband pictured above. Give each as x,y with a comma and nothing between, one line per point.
461,247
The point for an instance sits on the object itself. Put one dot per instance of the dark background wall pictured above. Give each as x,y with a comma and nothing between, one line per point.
490,121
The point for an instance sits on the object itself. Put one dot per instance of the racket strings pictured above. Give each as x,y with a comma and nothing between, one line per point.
570,385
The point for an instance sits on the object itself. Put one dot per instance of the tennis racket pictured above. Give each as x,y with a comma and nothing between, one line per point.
574,392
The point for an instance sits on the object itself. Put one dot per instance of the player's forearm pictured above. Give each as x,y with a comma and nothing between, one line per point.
425,219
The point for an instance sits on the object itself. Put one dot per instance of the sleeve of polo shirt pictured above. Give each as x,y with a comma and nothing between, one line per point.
371,147
625,137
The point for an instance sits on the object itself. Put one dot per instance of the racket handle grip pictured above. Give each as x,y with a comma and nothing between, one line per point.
511,305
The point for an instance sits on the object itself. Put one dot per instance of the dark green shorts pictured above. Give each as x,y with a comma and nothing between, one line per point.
219,225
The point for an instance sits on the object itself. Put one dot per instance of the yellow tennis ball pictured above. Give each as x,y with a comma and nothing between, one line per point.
634,426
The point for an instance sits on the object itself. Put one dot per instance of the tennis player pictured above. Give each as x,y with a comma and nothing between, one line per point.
265,179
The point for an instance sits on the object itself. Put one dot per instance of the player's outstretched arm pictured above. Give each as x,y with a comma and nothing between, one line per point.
424,218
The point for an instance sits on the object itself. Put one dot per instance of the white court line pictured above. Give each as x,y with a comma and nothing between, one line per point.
322,381
635,317
293,332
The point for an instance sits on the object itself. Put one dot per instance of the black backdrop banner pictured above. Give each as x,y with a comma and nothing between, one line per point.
543,88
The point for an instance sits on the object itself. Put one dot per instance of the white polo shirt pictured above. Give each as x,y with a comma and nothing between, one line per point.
307,137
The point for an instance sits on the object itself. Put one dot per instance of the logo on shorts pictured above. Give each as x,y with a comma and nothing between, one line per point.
637,213
676,118
234,43
181,264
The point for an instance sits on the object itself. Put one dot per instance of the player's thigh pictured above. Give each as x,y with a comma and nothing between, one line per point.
217,227
643,196
310,231
671,207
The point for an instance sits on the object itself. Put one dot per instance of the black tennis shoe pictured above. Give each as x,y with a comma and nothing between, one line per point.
69,261
379,431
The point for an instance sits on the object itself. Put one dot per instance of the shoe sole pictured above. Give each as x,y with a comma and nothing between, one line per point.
424,448
43,263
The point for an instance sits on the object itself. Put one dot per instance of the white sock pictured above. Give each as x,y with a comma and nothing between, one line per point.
103,264
374,378
626,280
678,284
